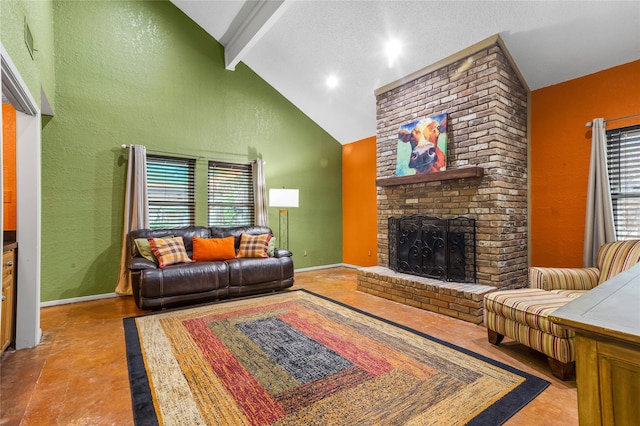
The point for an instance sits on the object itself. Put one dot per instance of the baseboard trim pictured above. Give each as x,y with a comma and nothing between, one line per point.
78,299
334,265
110,295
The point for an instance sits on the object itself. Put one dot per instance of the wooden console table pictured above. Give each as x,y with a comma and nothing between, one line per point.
606,321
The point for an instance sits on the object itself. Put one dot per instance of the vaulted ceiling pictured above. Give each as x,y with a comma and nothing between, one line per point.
296,45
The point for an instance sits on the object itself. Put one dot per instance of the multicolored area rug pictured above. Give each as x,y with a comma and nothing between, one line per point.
296,358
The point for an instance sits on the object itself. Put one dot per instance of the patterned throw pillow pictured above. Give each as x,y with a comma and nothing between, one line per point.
145,249
254,245
213,249
169,251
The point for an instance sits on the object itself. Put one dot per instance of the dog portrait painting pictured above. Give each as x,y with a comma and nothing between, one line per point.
422,146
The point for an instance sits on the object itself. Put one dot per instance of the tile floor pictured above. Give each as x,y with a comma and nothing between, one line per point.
78,375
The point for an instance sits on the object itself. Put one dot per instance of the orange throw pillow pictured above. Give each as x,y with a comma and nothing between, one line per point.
212,249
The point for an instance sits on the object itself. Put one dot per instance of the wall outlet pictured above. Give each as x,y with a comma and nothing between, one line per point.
305,253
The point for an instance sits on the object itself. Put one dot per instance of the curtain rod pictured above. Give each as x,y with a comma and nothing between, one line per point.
590,123
181,154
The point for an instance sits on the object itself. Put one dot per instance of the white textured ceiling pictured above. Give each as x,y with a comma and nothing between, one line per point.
550,42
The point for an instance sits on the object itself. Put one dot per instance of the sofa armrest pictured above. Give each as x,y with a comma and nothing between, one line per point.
282,253
139,263
563,278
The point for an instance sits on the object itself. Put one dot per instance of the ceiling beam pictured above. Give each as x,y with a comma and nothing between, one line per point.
263,15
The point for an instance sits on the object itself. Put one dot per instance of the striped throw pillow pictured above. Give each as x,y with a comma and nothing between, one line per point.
169,251
254,245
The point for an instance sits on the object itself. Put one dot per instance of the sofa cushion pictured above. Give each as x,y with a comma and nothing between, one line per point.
569,293
529,306
213,249
254,245
169,251
185,278
250,271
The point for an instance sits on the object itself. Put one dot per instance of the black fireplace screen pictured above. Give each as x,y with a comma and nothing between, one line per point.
433,247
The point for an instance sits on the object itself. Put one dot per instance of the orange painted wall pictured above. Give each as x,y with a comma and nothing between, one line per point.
560,147
9,166
359,210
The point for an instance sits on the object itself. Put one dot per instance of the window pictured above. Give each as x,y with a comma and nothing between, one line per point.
623,162
230,194
170,186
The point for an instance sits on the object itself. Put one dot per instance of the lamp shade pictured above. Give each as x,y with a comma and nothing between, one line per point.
283,197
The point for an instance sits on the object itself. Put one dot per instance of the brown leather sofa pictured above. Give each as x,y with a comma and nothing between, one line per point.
189,283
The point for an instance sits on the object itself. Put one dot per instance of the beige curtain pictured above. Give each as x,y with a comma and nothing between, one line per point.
136,209
599,226
260,193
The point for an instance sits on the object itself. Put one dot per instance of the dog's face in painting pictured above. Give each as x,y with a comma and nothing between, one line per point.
426,156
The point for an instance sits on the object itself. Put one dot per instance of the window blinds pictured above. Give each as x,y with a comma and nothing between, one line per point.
171,191
623,162
231,199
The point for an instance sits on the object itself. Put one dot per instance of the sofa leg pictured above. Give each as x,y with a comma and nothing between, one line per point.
494,337
562,370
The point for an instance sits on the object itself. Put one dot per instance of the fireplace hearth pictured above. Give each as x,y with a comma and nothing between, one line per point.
433,247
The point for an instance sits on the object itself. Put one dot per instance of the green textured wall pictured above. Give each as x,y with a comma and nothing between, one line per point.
143,73
37,72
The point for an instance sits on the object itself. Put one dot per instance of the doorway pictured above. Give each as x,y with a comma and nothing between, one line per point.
28,190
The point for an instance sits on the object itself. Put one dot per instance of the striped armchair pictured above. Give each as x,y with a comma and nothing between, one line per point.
522,314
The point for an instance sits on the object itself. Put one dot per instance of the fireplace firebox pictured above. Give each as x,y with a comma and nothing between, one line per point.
433,247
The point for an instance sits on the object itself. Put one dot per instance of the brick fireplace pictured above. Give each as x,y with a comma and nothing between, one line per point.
486,176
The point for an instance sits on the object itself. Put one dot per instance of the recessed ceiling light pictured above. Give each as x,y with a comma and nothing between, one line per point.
332,81
393,49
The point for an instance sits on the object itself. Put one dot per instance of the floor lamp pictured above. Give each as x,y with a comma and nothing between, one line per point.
283,198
